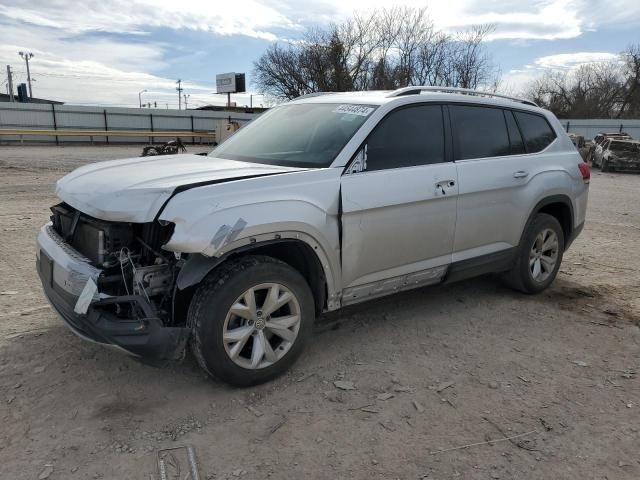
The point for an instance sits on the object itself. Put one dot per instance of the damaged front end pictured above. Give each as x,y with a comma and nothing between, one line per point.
112,283
622,155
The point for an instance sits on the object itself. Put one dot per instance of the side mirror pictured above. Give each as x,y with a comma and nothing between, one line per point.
359,161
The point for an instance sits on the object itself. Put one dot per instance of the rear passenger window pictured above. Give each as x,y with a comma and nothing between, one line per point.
537,132
407,137
517,145
478,132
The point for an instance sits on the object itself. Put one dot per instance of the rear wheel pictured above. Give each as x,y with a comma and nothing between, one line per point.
539,256
251,319
150,152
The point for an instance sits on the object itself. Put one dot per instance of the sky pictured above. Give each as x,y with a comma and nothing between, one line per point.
104,52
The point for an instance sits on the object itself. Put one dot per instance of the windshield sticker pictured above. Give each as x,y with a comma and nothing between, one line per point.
360,110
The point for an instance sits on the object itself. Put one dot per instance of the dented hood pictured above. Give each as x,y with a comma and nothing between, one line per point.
135,189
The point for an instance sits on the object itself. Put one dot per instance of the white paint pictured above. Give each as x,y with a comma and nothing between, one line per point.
85,298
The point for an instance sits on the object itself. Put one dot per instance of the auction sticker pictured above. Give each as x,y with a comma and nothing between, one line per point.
361,110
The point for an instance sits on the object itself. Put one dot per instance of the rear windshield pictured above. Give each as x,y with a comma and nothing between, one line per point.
303,135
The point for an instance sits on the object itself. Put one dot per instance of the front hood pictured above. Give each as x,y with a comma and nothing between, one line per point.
135,189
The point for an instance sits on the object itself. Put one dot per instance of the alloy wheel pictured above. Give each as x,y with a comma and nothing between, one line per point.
261,326
543,255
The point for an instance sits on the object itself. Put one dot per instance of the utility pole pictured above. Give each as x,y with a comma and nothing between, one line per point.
10,83
27,56
186,97
179,89
140,97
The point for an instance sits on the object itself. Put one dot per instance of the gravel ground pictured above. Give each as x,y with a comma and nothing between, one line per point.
433,370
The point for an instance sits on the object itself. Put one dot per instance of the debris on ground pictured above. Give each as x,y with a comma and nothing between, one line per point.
46,473
401,389
344,385
443,386
370,409
417,406
255,411
385,396
178,463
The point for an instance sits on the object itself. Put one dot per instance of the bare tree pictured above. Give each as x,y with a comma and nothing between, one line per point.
596,90
387,49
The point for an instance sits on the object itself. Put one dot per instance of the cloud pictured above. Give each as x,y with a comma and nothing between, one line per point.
267,19
244,17
518,79
90,70
572,60
107,50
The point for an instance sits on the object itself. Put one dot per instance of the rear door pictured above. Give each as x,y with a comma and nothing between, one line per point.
491,147
399,204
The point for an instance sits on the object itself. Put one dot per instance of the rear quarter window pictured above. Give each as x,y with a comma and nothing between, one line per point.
536,131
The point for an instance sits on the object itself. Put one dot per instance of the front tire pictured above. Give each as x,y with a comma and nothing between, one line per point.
251,319
539,256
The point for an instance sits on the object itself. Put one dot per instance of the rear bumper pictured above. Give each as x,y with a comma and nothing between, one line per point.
64,272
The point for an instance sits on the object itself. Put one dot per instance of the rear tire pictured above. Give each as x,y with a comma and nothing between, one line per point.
239,336
539,255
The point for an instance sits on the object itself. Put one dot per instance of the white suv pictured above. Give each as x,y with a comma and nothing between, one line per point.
326,201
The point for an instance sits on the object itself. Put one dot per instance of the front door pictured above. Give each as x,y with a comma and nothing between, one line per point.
399,206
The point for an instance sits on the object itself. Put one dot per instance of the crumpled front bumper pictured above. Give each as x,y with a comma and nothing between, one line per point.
64,273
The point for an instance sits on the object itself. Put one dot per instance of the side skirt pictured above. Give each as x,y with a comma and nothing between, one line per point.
369,291
491,263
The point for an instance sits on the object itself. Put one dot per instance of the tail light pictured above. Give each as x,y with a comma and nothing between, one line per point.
585,171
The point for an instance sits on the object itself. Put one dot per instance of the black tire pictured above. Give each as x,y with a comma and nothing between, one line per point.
604,166
150,152
520,276
215,296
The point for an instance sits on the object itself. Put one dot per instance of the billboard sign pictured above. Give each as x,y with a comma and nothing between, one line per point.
230,82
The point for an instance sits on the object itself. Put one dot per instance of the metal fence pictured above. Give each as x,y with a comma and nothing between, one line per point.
74,117
589,128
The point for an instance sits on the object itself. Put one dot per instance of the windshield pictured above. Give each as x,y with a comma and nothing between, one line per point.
303,135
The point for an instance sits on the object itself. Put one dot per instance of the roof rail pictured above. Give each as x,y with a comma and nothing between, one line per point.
415,90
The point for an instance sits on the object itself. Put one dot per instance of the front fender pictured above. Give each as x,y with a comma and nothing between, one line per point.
216,220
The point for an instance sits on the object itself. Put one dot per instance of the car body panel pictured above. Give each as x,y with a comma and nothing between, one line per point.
215,219
405,227
135,189
494,205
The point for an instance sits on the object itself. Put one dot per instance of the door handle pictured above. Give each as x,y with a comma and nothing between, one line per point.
520,174
442,185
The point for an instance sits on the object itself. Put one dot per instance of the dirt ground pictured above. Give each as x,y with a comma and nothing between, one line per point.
434,370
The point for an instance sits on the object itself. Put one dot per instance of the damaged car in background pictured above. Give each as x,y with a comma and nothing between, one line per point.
320,203
618,155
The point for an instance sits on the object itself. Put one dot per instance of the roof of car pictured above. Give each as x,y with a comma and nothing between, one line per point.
435,94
